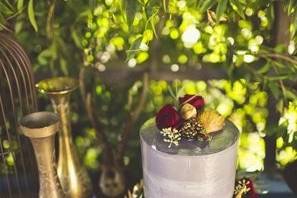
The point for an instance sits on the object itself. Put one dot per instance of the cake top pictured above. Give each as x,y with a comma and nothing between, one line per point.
221,140
189,121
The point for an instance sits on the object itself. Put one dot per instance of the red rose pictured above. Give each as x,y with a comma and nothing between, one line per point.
196,101
252,192
168,117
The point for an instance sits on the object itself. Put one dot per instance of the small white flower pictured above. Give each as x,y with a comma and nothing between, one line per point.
171,135
190,36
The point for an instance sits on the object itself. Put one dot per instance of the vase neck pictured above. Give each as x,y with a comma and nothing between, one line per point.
61,106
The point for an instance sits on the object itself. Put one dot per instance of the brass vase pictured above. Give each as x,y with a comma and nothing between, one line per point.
41,128
73,176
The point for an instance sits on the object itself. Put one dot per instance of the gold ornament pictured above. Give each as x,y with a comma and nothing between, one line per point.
241,188
211,121
188,111
137,191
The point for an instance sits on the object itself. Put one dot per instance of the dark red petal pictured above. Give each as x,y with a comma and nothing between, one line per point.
168,117
252,193
195,100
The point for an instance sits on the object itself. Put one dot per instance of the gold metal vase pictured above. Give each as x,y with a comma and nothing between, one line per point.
41,128
73,176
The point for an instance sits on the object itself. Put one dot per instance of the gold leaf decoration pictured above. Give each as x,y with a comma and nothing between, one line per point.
136,192
211,121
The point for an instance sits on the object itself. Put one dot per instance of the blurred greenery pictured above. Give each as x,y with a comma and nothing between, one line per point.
242,103
235,38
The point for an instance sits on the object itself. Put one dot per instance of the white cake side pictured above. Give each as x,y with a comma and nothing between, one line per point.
183,176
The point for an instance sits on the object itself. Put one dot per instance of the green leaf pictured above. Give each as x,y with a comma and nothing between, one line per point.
264,69
44,56
31,15
2,21
171,92
20,4
134,48
153,20
180,92
293,26
207,4
291,94
5,9
130,11
271,13
18,27
221,8
281,77
164,5
237,7
153,28
11,7
274,89
63,65
291,6
76,38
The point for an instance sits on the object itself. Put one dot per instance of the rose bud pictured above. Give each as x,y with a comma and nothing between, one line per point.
196,101
168,117
188,111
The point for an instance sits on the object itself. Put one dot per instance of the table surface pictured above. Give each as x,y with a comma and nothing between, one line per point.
274,185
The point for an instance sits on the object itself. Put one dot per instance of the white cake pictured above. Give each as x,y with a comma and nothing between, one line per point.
189,170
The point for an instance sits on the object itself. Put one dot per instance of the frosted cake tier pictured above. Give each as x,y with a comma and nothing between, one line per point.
189,170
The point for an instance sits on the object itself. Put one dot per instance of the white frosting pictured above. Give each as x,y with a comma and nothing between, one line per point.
182,176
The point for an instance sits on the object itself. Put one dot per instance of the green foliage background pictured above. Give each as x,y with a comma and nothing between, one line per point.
238,39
